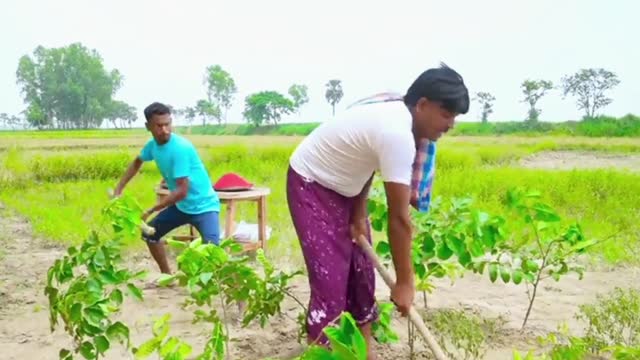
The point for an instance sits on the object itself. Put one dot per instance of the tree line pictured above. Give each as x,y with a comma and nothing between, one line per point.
588,86
70,88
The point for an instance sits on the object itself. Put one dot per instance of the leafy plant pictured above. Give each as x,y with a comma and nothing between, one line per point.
167,348
346,342
613,323
613,320
447,240
463,336
540,250
383,333
528,244
217,274
85,287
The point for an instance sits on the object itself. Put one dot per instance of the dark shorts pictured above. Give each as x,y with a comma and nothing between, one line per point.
341,276
170,218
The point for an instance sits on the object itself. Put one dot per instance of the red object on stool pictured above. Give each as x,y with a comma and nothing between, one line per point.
232,182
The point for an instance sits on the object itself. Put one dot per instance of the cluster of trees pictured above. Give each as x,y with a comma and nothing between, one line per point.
263,107
588,86
69,87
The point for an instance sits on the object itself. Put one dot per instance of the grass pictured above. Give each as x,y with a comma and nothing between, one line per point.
603,126
62,191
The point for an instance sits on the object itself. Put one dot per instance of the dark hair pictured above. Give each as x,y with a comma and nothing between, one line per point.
156,108
443,85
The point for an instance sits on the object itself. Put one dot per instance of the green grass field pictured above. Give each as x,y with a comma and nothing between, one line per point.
61,187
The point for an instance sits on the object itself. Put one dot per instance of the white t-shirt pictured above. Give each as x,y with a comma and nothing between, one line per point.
343,153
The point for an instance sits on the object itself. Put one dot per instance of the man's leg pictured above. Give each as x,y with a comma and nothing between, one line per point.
321,219
361,301
208,225
167,220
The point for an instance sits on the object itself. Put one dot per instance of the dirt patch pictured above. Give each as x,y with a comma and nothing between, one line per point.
24,326
566,160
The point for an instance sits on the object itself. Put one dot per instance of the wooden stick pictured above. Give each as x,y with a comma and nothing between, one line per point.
415,318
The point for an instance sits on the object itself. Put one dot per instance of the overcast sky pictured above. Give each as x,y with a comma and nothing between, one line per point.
162,47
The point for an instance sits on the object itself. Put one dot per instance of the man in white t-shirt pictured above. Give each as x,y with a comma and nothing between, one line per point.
328,182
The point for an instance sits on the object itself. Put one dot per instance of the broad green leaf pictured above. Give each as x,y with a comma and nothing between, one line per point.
578,247
184,350
65,354
75,314
206,277
94,315
504,274
177,245
428,244
88,350
133,290
317,353
493,272
94,286
90,329
108,277
166,279
517,277
377,224
545,213
476,248
455,243
464,258
116,297
530,277
532,266
160,327
146,349
383,249
118,332
168,347
102,344
99,258
444,252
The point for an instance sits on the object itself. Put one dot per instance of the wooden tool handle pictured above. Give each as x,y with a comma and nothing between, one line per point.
415,318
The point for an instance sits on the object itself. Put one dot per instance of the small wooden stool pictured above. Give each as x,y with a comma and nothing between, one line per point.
231,198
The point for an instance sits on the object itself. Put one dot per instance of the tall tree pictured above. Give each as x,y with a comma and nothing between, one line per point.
486,101
533,90
206,109
266,107
122,114
334,93
589,86
221,88
299,95
11,121
66,87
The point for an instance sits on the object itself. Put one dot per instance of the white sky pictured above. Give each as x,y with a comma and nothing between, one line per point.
163,47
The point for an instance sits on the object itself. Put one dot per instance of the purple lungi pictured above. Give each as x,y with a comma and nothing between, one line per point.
341,276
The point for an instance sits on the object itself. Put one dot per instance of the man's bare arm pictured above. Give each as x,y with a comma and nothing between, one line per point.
132,170
182,187
399,231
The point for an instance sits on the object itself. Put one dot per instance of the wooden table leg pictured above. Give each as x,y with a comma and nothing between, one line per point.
229,219
262,221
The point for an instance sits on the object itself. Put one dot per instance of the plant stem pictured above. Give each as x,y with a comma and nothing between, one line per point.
424,297
226,324
286,292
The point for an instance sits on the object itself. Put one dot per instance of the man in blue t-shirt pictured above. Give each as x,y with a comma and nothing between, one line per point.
192,199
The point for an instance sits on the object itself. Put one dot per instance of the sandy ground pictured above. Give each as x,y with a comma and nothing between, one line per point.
566,160
24,326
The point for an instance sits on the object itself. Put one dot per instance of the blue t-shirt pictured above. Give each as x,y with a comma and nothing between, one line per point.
178,158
